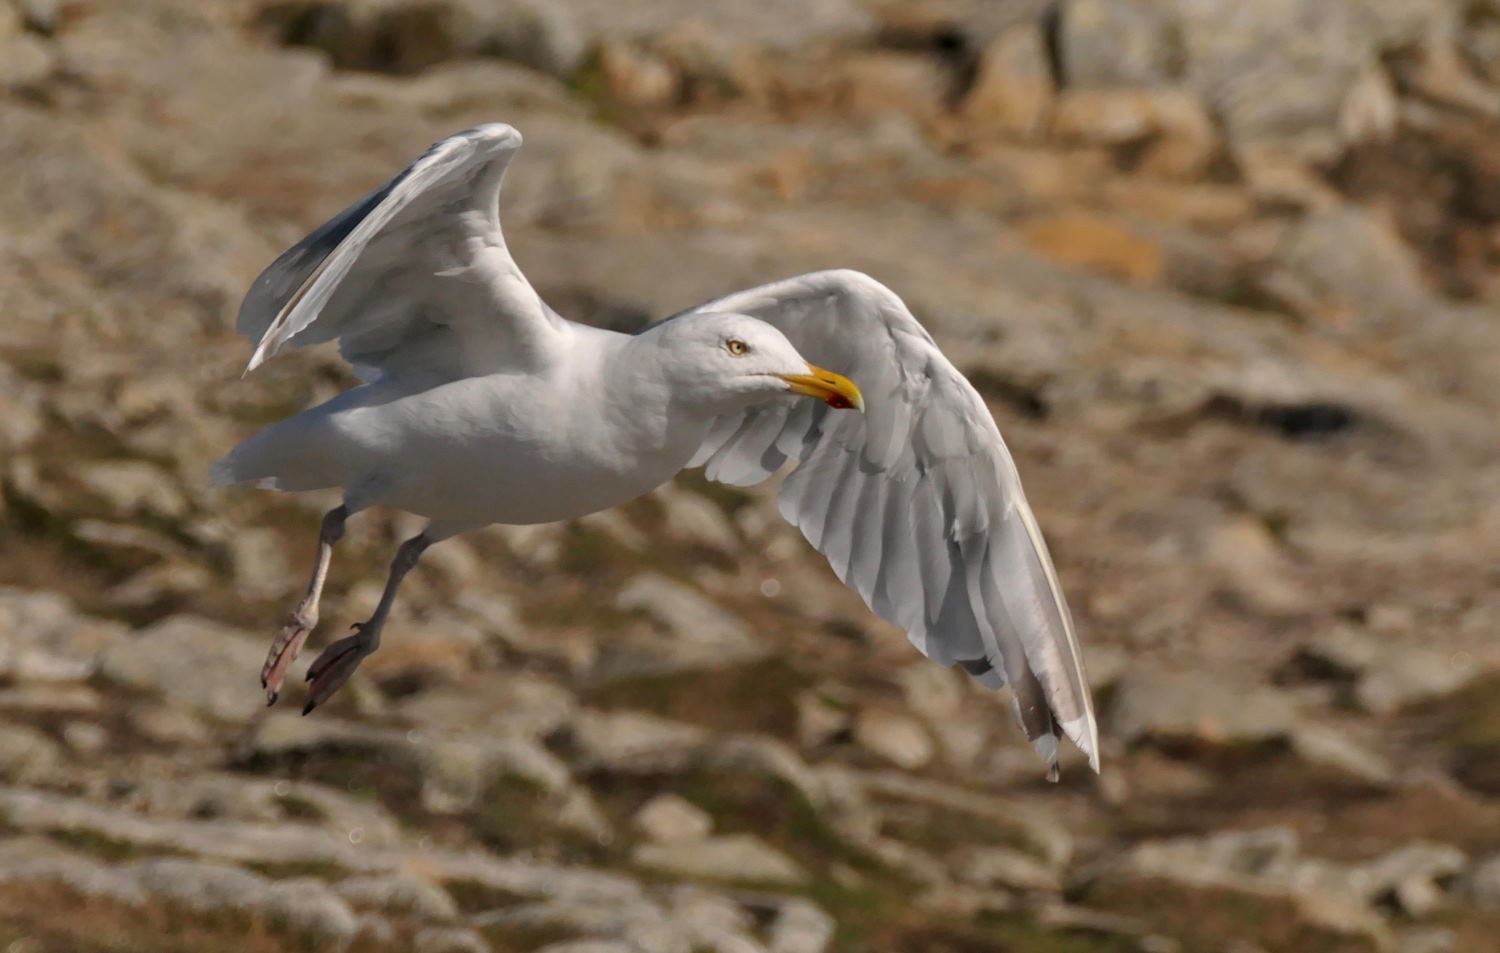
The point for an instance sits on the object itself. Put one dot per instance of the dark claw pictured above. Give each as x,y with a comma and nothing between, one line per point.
307,709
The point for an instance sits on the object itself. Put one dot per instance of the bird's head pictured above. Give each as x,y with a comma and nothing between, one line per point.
729,361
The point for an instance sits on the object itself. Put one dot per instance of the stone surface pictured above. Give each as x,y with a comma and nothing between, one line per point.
187,660
1198,706
895,737
668,818
741,857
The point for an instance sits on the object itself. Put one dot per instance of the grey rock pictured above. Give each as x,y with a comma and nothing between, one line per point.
702,633
993,866
308,905
132,488
639,923
1031,824
85,738
692,517
191,661
27,755
42,637
633,741
741,857
25,859
1328,747
25,60
500,703
1426,940
668,818
448,940
1198,706
304,905
779,24
1269,77
1260,863
769,756
893,736
1411,878
587,946
1119,44
399,894
1481,885
1014,90
456,770
800,927
1384,674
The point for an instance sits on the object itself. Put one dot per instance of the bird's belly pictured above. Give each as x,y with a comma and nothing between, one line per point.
516,488
482,451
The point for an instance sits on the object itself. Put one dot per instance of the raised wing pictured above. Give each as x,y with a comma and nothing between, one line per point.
413,279
916,503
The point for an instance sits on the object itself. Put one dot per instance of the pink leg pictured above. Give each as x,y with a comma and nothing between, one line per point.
331,669
304,618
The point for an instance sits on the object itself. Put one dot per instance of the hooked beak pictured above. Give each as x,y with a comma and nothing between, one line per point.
835,390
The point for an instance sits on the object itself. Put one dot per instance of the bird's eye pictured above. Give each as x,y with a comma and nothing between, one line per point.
737,347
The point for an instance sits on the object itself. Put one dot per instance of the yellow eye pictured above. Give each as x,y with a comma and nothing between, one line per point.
737,347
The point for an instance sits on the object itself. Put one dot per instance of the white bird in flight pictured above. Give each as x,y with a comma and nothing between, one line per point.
482,405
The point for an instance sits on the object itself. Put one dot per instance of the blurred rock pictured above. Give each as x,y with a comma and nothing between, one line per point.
1426,940
399,894
132,488
448,940
631,741
740,857
667,818
1327,747
1005,867
800,927
1411,878
1169,127
26,755
1197,707
893,736
43,638
1013,91
303,904
195,662
1257,863
1382,675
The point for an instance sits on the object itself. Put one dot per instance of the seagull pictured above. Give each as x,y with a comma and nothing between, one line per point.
482,405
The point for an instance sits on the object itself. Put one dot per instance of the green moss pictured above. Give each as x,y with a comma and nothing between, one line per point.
514,938
300,808
289,869
475,897
108,848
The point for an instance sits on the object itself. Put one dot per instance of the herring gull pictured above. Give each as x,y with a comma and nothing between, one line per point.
481,405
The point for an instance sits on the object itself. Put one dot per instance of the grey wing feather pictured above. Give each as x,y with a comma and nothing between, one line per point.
917,504
414,278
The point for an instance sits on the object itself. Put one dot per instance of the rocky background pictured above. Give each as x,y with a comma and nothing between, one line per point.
1226,271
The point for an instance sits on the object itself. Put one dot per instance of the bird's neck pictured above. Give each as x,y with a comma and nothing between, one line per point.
656,416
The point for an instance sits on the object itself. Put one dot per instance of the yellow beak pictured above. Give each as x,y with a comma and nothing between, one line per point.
835,390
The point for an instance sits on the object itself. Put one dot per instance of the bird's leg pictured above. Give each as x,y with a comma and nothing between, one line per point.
304,618
341,658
